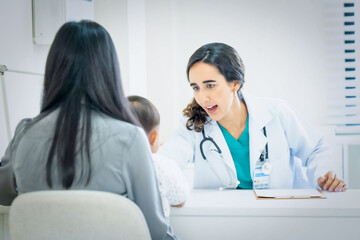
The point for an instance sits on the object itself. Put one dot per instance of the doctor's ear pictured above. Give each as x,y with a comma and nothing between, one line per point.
236,86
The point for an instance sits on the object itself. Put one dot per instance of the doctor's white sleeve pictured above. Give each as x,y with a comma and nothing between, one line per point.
181,145
306,143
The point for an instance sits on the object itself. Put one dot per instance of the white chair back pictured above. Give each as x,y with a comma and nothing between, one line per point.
75,215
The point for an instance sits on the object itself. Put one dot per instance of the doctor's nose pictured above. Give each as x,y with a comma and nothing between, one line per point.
202,98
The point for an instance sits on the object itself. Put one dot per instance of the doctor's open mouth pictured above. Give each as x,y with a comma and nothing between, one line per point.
212,109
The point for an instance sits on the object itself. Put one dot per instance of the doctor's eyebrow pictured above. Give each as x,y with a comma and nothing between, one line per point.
204,82
209,81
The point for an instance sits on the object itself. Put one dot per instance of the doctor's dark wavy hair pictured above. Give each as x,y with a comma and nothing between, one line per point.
229,64
82,75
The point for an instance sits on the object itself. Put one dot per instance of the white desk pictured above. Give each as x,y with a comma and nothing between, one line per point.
236,214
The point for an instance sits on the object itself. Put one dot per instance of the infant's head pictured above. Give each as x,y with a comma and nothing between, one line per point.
148,117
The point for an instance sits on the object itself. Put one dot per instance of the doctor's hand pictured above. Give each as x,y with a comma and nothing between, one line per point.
331,183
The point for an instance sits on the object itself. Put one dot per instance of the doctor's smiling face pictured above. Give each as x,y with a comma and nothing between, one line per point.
212,92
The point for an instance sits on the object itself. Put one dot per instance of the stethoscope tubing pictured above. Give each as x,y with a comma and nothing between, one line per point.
208,139
264,157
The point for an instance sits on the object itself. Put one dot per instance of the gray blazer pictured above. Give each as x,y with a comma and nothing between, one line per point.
120,162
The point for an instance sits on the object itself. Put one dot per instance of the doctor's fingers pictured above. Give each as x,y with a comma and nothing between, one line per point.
336,185
340,187
329,180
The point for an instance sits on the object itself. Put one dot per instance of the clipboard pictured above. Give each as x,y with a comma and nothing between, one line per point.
263,194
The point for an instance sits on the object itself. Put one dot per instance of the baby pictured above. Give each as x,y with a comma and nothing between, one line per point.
173,186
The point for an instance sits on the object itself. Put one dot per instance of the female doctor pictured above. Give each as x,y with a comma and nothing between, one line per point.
236,140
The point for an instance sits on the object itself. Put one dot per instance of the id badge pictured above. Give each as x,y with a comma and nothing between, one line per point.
260,179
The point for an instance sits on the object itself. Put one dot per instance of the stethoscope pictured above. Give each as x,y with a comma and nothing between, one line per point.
232,183
264,160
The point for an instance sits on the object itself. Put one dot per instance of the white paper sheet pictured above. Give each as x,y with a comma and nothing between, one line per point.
287,193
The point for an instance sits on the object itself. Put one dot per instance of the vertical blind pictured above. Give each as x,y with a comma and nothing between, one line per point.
342,30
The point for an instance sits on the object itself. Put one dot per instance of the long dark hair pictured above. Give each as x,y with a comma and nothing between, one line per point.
229,64
82,75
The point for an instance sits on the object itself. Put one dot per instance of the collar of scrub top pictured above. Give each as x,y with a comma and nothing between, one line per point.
264,158
259,117
264,155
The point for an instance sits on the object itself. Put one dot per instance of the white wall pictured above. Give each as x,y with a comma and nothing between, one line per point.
113,15
18,52
126,23
283,51
281,44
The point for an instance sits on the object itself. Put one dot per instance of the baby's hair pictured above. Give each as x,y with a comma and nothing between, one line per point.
145,111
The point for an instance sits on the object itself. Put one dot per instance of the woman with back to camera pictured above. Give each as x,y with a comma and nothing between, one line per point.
240,141
85,136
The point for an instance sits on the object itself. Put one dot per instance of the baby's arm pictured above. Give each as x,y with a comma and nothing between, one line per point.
175,185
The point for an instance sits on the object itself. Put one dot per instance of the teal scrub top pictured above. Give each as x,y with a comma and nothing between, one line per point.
239,150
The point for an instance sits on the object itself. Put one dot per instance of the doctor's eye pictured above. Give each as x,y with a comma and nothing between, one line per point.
195,88
210,85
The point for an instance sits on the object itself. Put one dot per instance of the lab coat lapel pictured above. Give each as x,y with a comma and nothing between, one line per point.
259,116
213,130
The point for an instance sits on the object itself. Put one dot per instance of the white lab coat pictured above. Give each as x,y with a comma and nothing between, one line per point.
289,136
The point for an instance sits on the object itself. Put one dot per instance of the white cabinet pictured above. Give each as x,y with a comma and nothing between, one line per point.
49,15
